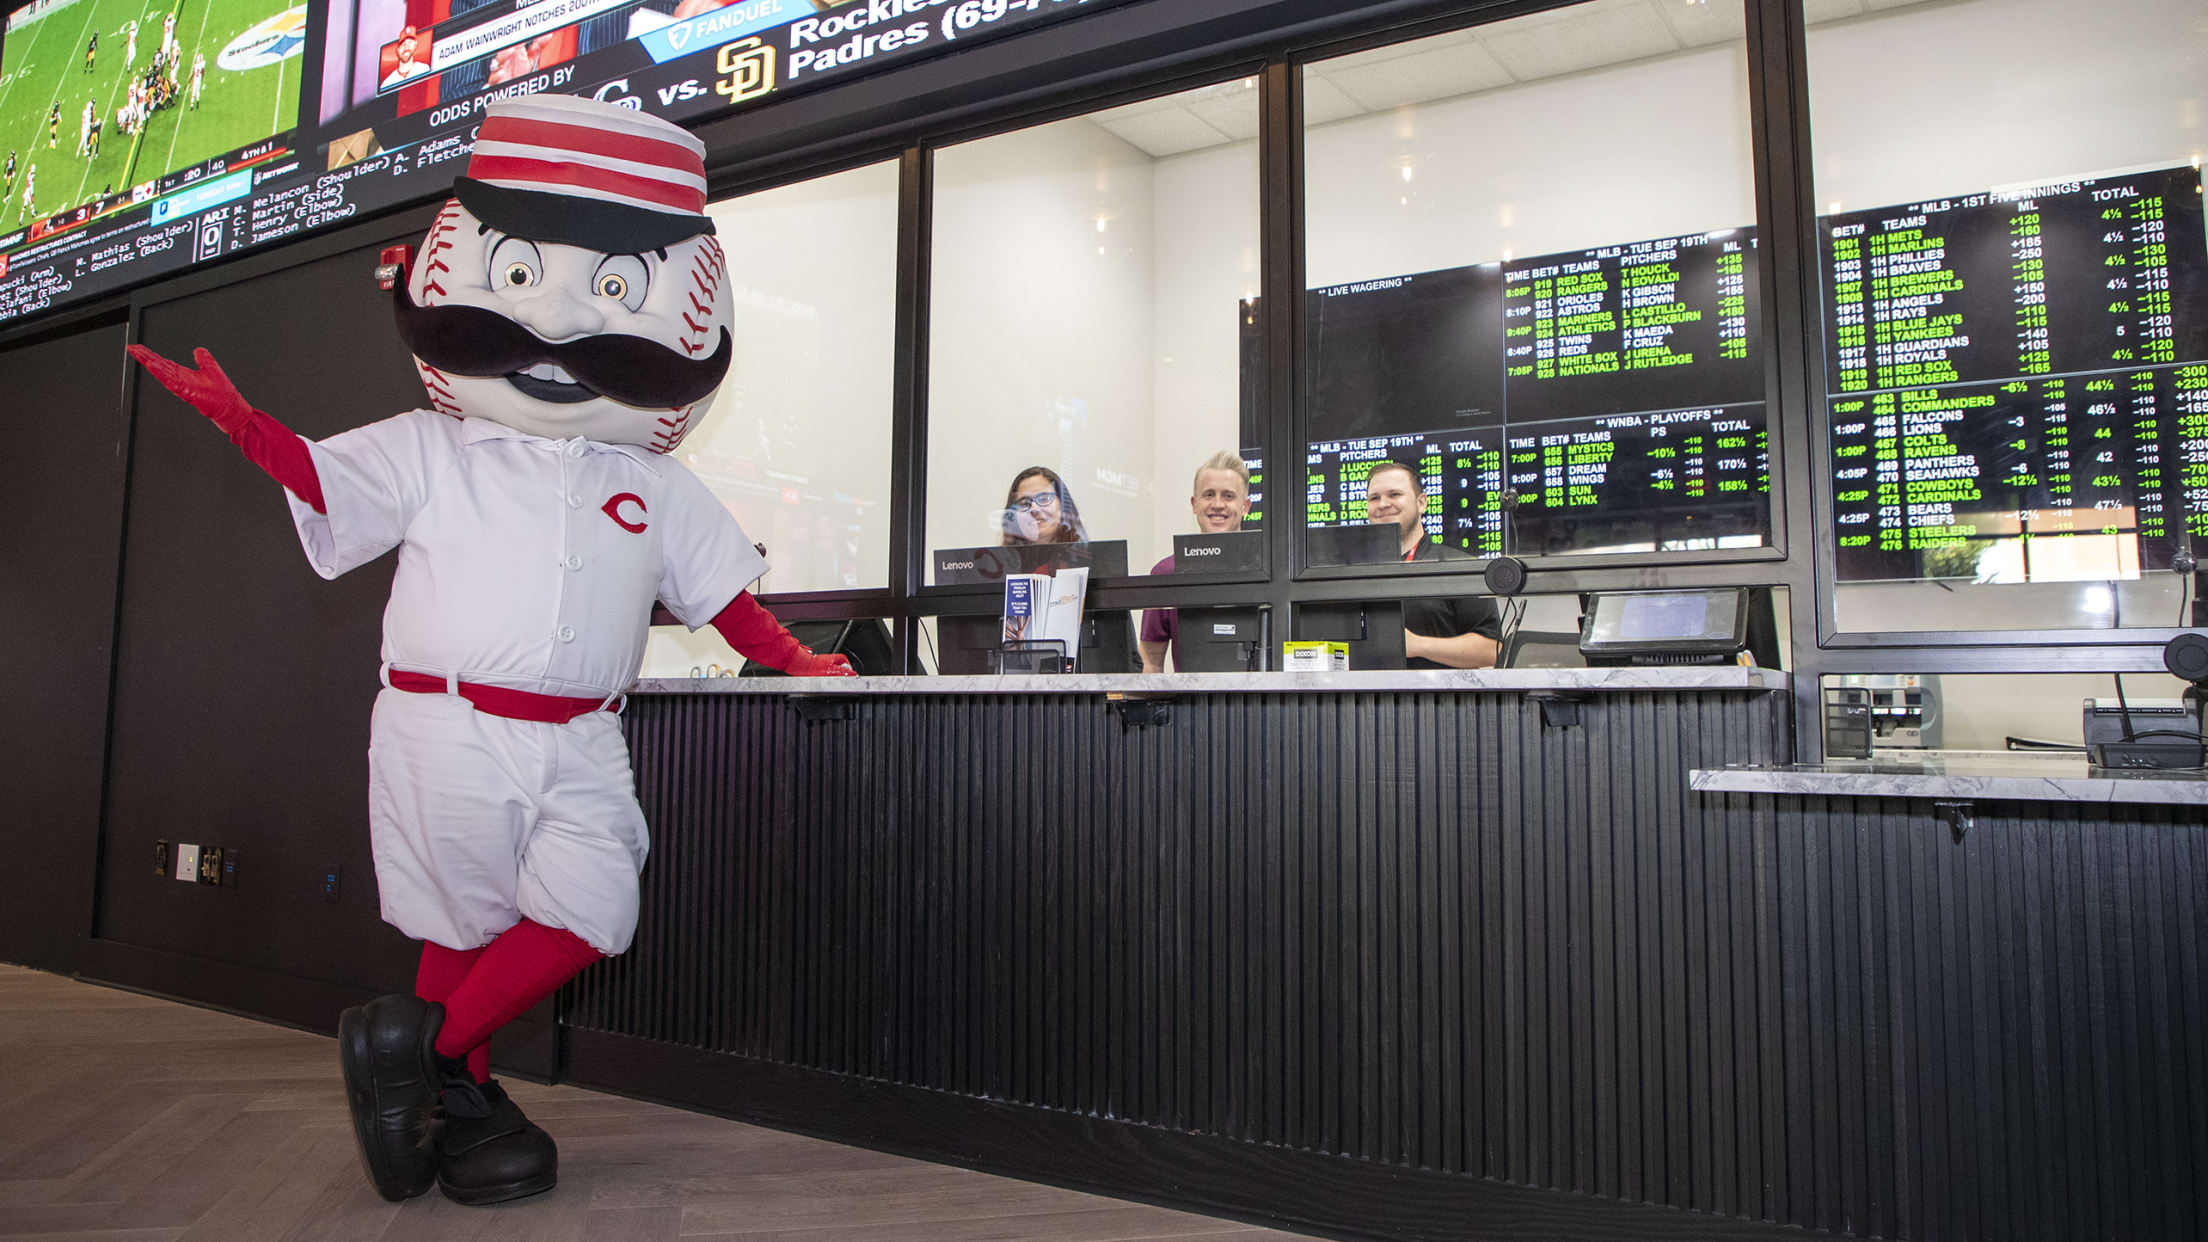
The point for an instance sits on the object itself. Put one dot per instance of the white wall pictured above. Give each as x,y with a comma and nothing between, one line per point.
1654,148
1937,99
1206,263
1041,330
797,441
1983,712
1909,103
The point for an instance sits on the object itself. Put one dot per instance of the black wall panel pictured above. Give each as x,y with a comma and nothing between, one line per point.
1997,1038
1430,935
243,680
61,517
1420,931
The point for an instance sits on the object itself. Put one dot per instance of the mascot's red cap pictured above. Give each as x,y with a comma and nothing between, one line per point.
581,173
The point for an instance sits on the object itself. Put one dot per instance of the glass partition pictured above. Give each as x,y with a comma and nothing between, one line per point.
1531,255
2013,263
1093,292
797,443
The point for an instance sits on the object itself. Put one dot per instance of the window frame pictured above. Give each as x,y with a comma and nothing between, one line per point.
1131,52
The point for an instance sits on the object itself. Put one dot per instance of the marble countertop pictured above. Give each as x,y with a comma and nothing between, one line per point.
1963,775
1592,680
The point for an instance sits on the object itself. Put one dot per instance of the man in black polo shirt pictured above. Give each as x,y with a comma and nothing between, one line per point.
1458,631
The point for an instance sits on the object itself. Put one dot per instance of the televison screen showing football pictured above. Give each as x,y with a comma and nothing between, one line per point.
143,136
107,105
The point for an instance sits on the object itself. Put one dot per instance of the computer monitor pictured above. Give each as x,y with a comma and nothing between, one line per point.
1229,552
1372,628
1108,644
862,640
966,646
1708,625
970,646
1220,640
1366,543
993,563
1542,649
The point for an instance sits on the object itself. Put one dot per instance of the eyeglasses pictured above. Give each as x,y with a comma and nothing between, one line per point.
1040,500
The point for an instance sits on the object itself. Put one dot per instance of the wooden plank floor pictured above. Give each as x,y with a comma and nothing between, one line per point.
129,1119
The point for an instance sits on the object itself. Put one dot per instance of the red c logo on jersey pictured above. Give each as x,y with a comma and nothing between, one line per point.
612,509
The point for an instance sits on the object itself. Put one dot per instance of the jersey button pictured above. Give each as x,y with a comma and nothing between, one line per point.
574,500
567,633
575,449
574,562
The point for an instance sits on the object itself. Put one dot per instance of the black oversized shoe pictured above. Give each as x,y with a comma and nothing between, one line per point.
489,1152
388,1048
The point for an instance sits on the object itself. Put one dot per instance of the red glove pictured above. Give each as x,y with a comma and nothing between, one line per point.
264,441
756,635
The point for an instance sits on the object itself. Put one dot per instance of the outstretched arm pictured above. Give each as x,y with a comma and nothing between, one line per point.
756,635
264,441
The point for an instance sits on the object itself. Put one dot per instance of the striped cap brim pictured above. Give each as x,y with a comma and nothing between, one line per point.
557,168
613,228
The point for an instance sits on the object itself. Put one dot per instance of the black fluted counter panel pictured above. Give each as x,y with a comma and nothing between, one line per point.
1420,932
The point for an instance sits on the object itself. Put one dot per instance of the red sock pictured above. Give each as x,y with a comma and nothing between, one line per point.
440,975
527,963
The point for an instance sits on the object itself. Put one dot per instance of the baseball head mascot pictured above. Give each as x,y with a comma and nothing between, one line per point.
569,315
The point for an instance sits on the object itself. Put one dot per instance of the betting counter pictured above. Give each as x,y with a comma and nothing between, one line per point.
1082,927
1725,677
992,918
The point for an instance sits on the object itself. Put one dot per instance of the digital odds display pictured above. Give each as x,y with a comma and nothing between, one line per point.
142,136
1605,398
2020,381
2019,389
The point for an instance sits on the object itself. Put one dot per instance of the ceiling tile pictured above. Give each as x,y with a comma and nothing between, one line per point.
1438,73
1232,115
1702,24
1587,37
1168,132
1323,102
1833,10
1141,107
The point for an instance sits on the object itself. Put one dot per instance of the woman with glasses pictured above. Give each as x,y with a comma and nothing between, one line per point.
1039,509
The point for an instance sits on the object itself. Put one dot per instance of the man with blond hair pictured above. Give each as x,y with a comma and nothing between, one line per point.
1220,499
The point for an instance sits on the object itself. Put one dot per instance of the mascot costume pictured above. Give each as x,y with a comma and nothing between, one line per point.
569,313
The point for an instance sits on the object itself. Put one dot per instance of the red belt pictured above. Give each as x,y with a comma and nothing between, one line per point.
501,701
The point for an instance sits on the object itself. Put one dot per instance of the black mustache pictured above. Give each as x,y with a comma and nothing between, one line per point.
468,340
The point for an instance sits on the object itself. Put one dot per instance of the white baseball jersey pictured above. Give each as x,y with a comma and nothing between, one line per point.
531,564
523,562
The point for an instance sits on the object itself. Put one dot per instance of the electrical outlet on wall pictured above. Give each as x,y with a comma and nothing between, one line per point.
187,863
161,863
210,865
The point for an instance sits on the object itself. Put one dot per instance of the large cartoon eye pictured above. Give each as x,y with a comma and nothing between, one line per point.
515,264
624,278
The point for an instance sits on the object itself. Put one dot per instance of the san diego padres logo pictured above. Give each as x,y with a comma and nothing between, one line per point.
747,67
